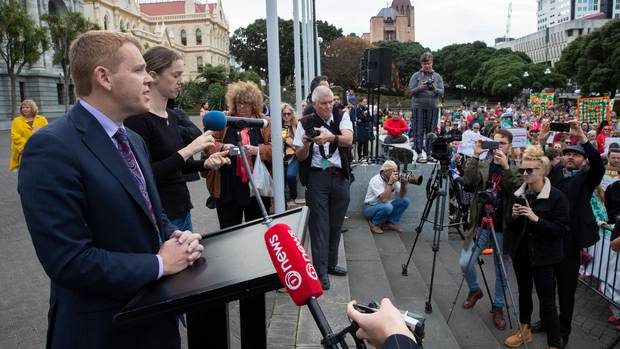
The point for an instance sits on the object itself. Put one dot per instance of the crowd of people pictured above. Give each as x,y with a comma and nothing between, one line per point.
119,214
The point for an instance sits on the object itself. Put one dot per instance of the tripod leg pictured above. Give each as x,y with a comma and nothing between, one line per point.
484,279
503,283
418,230
468,267
438,224
505,276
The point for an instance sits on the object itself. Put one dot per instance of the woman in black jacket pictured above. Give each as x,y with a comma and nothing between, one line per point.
539,219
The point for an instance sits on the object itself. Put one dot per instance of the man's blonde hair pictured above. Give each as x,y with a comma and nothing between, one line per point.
92,49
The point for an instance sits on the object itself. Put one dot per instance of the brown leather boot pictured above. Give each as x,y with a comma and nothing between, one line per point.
472,298
498,318
515,340
375,228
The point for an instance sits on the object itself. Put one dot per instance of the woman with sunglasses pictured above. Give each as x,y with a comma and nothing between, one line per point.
289,126
539,219
604,131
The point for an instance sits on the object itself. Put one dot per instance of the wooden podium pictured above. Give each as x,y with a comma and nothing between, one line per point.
235,266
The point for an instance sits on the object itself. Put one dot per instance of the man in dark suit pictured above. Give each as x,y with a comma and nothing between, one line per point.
92,207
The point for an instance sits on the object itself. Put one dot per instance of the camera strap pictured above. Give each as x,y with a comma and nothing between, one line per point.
332,150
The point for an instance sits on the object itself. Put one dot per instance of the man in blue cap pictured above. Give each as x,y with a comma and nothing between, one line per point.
582,173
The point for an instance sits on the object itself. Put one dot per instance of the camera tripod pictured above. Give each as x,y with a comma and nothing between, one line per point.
440,182
488,225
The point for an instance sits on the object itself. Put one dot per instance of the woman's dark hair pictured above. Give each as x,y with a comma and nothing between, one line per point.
159,58
601,126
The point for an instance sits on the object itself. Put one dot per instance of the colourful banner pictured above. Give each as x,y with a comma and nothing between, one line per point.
540,102
593,110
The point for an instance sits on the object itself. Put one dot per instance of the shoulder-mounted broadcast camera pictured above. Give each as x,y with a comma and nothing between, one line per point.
440,148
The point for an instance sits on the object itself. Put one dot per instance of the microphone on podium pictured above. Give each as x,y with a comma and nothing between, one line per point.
296,272
215,120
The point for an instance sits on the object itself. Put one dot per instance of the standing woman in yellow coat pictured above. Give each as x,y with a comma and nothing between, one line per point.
22,128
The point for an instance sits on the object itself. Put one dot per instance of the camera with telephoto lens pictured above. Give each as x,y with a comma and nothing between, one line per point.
412,178
440,149
430,84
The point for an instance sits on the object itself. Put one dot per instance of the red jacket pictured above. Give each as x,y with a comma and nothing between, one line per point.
395,127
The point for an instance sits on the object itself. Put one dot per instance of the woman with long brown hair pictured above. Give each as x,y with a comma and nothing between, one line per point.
229,185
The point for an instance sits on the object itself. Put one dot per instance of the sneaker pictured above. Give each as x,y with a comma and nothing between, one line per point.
431,159
516,340
300,201
375,228
422,157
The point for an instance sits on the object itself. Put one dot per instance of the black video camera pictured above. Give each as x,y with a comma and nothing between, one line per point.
440,149
487,197
312,133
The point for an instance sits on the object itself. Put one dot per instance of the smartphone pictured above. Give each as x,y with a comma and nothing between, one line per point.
520,201
490,145
560,127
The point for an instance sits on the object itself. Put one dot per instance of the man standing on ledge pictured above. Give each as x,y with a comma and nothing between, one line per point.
323,140
92,207
426,87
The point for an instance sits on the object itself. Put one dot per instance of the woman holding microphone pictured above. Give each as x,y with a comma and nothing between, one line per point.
539,219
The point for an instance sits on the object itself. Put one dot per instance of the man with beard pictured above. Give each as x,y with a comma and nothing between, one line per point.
582,173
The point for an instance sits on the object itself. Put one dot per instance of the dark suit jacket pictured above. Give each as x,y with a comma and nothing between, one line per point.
92,232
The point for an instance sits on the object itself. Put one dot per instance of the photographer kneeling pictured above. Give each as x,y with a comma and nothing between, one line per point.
538,223
499,176
382,207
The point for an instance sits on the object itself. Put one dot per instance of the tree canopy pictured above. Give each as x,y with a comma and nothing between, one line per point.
340,60
594,60
63,28
249,45
22,42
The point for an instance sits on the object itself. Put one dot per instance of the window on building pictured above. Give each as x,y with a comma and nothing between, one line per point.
105,22
198,36
122,26
199,63
183,37
22,90
60,94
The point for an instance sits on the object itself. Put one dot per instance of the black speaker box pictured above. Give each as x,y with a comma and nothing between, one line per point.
376,68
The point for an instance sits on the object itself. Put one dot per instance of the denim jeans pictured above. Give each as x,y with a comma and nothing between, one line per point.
382,213
183,223
471,274
291,178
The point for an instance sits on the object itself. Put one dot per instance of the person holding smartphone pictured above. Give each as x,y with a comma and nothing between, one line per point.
500,176
539,219
582,172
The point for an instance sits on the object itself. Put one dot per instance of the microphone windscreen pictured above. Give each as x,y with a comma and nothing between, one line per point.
214,120
292,264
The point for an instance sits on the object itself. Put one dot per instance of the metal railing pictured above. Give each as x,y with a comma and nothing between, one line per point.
601,273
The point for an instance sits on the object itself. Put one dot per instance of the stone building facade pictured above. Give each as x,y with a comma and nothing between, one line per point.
198,31
394,23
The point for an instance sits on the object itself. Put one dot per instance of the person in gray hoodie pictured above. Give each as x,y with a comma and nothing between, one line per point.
426,87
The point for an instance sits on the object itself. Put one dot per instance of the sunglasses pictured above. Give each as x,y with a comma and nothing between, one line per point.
287,114
529,170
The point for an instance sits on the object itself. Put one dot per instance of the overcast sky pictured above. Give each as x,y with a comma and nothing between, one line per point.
438,22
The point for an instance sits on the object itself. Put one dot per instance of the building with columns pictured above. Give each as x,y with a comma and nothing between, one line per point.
394,23
199,31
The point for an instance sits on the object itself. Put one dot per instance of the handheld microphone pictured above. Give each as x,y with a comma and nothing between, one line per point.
216,121
296,272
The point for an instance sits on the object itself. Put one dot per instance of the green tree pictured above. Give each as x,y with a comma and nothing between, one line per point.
63,29
341,60
406,57
594,60
249,45
459,63
21,42
216,94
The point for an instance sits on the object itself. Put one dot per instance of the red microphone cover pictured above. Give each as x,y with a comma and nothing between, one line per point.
292,264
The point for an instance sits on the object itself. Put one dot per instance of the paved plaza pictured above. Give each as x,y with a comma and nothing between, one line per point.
374,272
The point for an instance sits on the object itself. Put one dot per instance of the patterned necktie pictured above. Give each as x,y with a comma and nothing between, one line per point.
130,159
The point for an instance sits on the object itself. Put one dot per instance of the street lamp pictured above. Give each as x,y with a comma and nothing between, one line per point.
526,74
547,71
